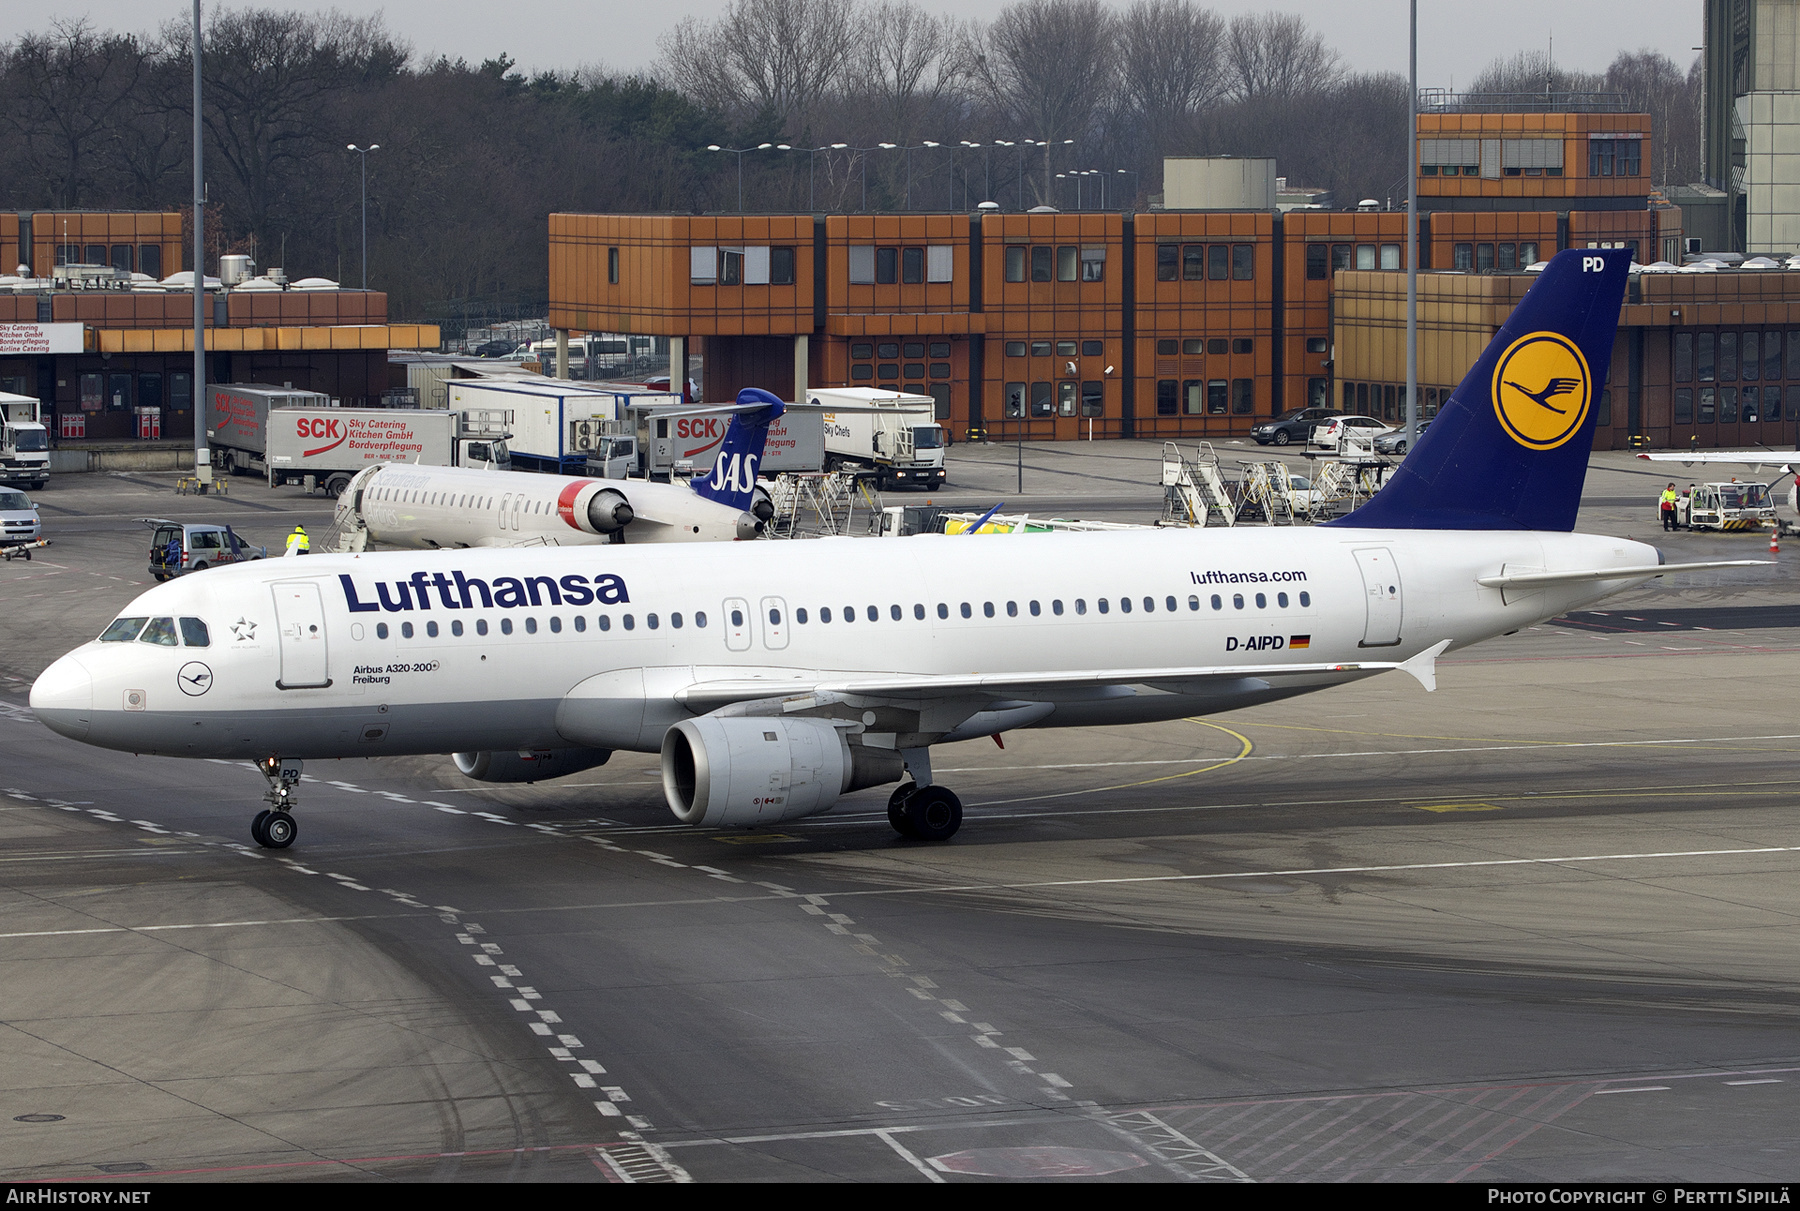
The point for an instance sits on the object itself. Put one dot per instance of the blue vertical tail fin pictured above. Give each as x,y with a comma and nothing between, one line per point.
733,478
1509,449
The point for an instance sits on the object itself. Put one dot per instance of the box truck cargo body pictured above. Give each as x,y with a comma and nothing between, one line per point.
24,442
893,436
644,445
556,424
298,437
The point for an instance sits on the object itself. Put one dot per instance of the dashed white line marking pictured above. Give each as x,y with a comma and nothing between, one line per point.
1636,1089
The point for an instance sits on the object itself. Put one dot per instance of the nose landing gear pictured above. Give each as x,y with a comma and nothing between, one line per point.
275,828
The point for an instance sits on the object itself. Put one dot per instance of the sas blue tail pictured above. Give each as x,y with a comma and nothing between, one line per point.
733,478
1509,450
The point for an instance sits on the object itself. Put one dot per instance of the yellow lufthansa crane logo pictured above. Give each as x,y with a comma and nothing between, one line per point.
1542,390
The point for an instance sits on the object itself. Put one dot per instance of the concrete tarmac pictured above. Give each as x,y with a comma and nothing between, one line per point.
1537,926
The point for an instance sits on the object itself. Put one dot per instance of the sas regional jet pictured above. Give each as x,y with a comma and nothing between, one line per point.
430,508
775,679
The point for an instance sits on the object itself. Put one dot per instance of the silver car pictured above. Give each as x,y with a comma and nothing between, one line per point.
18,518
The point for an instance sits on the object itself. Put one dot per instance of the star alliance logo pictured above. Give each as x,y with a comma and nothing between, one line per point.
244,629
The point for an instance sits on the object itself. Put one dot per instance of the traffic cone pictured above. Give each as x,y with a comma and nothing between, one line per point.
1774,541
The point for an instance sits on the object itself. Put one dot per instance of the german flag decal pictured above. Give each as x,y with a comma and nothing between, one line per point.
1296,642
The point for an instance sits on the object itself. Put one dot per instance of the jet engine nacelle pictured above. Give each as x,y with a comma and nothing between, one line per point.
746,770
531,766
606,511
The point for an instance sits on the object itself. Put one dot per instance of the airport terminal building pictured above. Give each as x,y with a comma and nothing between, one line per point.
1217,310
93,329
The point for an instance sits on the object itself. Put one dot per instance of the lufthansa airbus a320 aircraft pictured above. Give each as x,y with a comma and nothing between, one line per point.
775,678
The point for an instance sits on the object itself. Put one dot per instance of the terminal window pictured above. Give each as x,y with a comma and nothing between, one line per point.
1615,157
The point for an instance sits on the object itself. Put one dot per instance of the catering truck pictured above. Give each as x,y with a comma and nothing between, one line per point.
300,437
24,442
556,423
645,445
893,437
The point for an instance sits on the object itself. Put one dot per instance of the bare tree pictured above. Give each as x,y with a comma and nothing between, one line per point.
777,57
1532,71
1046,66
1652,84
904,64
1174,49
275,86
1273,57
69,88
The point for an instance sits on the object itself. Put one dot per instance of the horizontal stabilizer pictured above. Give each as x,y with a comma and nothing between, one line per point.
1526,580
1737,458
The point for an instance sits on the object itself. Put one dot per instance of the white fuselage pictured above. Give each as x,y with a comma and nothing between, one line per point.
426,508
541,648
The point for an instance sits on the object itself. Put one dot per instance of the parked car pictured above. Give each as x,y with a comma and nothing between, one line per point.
1291,426
1394,440
18,518
178,548
1330,435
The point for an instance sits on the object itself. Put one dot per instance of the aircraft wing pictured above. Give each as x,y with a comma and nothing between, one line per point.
1748,458
914,690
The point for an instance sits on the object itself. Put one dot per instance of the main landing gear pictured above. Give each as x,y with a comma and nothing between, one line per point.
275,828
920,809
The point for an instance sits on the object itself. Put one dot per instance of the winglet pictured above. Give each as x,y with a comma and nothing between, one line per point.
1423,667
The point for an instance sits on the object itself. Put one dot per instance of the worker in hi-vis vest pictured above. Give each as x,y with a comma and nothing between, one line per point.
297,542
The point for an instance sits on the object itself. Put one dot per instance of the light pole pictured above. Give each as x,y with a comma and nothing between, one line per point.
364,153
739,153
812,155
1134,180
987,185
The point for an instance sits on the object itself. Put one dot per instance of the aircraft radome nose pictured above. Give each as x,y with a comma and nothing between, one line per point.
63,697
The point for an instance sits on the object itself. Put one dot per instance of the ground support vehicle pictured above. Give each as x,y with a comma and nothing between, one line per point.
178,548
24,442
1727,506
299,437
554,425
893,437
645,445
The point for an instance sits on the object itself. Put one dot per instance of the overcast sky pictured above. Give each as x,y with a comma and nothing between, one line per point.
1457,38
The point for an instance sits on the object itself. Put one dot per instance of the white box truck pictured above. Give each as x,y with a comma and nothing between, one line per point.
299,437
24,442
894,437
556,423
643,445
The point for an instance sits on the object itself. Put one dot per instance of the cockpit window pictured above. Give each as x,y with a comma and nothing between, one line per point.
193,633
160,630
123,630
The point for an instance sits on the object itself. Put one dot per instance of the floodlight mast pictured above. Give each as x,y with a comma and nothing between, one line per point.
199,402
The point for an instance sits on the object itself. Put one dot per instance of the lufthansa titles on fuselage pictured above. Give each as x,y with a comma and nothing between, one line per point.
457,591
